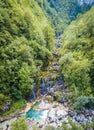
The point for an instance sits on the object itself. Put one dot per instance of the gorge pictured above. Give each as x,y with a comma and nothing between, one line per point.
46,53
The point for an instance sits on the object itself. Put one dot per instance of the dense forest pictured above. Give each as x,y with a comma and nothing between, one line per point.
28,31
60,12
77,55
26,44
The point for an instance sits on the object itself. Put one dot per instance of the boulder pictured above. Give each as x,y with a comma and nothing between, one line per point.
61,113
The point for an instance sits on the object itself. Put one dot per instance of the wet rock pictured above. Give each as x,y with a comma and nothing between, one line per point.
60,118
88,117
7,126
55,64
63,100
51,114
55,106
61,113
70,113
51,121
33,94
40,126
92,112
5,108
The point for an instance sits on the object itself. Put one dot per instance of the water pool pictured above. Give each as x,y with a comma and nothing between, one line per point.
34,112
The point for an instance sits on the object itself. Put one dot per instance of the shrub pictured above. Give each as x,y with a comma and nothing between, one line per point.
19,125
84,102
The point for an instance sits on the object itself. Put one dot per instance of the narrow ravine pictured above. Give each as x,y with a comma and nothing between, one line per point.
53,105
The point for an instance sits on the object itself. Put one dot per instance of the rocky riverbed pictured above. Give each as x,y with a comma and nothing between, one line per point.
53,114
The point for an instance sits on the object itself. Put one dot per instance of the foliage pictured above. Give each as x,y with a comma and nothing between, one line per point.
4,100
73,126
35,128
49,37
15,107
60,13
27,42
76,55
23,46
50,128
84,102
19,125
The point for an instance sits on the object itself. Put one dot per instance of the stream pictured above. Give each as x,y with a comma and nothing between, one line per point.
47,111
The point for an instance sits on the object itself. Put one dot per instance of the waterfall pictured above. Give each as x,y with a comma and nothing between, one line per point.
33,93
43,86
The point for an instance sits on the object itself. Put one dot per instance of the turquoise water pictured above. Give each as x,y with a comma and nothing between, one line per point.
34,113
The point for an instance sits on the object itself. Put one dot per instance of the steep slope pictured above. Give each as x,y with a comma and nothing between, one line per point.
62,12
27,41
59,13
26,45
77,62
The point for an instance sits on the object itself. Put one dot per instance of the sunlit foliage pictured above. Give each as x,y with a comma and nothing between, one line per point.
25,47
77,62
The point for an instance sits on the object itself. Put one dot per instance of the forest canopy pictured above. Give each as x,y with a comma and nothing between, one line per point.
27,35
77,52
26,45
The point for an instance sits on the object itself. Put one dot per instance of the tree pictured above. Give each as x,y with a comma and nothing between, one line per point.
76,54
49,37
19,125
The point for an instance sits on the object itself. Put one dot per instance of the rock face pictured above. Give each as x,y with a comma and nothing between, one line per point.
85,2
6,107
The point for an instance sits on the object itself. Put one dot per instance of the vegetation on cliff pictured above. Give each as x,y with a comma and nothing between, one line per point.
26,45
77,52
27,34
